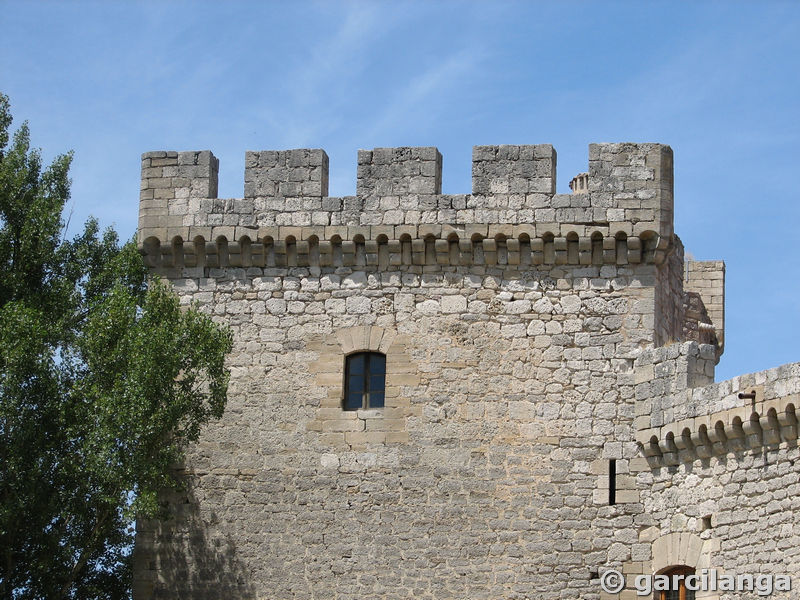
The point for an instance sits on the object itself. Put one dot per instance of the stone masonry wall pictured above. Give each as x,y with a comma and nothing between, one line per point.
706,279
718,474
521,331
504,392
743,506
669,314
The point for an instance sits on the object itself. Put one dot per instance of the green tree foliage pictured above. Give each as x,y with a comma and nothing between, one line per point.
103,379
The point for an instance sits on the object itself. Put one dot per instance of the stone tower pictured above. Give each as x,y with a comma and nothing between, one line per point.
489,395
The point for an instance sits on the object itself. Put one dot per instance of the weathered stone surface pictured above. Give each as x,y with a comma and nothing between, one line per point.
530,339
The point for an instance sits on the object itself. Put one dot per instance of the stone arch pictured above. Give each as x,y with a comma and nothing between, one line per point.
152,251
685,549
679,549
365,338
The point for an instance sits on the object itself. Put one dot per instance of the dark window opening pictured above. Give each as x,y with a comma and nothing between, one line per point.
678,591
365,380
612,482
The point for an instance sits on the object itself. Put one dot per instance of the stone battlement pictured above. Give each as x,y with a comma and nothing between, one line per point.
496,394
630,193
682,415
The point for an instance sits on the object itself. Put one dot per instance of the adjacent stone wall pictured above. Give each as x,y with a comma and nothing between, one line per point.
744,506
706,279
676,397
719,475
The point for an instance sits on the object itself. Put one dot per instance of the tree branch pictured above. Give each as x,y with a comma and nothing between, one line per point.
80,564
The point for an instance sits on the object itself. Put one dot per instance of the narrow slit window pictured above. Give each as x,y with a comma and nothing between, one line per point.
365,380
612,482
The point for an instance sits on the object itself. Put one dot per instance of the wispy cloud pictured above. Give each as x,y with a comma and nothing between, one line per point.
322,80
708,76
425,96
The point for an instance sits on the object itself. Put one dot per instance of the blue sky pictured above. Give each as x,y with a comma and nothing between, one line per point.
718,81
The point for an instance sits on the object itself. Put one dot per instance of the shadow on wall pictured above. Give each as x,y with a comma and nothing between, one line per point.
179,557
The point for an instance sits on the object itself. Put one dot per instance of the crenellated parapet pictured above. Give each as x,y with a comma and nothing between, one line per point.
513,220
682,415
630,193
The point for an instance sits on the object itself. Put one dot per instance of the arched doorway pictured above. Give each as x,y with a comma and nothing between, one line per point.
677,588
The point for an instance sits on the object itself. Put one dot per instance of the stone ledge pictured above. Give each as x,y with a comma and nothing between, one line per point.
772,423
349,246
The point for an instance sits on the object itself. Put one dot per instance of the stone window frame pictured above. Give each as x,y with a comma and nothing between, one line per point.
364,339
358,429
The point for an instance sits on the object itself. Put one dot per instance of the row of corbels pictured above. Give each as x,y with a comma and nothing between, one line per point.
384,252
758,431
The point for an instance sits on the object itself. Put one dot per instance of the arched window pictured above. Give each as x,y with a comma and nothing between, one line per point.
364,380
679,591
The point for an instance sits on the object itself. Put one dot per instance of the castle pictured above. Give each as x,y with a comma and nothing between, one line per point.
497,395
